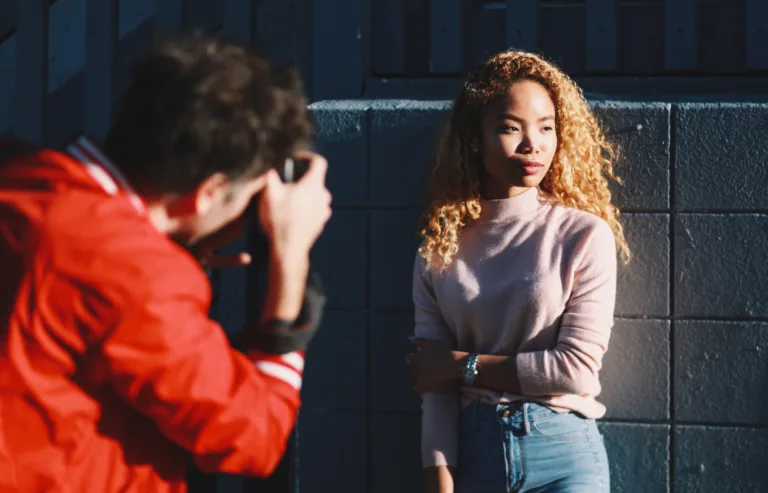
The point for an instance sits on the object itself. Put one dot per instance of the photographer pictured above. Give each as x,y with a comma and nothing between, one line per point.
111,372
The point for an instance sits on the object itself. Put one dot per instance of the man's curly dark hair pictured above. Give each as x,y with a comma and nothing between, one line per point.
198,106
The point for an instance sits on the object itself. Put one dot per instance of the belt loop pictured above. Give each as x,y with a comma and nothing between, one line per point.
526,424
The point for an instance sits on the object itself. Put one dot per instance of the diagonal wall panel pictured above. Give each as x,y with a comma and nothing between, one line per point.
66,46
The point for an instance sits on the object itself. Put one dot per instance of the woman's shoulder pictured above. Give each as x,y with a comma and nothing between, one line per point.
578,220
575,226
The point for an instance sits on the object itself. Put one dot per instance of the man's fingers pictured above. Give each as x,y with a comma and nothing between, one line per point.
273,181
226,261
317,169
224,236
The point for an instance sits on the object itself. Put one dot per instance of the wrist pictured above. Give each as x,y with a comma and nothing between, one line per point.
287,282
289,262
461,358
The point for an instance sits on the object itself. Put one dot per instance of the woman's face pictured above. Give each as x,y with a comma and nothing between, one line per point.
519,140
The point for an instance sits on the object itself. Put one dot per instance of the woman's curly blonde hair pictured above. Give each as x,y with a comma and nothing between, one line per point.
580,170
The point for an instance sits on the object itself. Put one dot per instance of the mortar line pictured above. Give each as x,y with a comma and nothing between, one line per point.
672,323
368,418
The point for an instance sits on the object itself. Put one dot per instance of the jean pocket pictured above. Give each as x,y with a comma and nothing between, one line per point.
567,427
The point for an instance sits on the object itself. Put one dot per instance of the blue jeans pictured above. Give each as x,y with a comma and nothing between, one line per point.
528,448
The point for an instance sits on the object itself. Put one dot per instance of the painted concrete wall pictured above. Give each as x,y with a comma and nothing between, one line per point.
686,375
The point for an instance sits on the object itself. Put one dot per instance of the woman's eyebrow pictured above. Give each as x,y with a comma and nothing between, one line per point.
510,116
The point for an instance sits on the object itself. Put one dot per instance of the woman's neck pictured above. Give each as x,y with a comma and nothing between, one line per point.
492,190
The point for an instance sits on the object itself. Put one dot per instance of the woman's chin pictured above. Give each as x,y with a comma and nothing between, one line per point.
532,181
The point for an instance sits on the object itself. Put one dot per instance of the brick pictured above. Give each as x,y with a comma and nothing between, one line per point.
721,369
132,48
635,373
342,137
337,49
641,47
403,136
390,383
332,452
202,14
561,34
394,242
7,18
643,284
718,146
341,257
396,453
722,49
64,115
65,119
67,39
335,373
280,45
133,14
32,42
639,457
7,81
733,460
642,132
721,264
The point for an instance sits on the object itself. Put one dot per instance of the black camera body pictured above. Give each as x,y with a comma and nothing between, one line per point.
293,170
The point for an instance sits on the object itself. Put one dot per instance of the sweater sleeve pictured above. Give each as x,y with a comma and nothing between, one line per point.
572,366
440,410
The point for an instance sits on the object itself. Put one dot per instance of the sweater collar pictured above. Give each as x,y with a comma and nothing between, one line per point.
510,208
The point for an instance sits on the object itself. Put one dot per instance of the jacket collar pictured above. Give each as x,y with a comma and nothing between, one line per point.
103,170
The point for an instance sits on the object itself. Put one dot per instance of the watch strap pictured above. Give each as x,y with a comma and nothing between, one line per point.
470,370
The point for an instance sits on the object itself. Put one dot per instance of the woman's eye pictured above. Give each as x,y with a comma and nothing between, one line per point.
510,128
547,129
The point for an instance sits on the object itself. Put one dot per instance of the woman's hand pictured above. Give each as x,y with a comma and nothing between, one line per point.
440,479
434,367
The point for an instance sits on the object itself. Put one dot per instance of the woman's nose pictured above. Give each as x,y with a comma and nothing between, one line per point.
527,145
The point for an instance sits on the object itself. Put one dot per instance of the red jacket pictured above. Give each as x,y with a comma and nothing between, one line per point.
111,372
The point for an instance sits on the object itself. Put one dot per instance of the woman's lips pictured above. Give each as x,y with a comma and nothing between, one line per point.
532,167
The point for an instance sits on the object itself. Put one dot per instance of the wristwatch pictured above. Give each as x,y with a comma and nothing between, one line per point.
469,373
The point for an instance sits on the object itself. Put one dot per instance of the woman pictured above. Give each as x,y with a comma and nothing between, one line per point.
514,287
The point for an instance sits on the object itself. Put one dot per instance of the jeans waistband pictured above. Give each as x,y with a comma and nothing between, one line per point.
522,411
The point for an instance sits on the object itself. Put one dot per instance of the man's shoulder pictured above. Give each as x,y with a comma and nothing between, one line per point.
104,241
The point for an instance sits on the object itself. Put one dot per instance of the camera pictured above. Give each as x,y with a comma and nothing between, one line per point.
293,169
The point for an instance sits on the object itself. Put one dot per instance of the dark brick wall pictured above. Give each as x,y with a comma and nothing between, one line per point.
686,376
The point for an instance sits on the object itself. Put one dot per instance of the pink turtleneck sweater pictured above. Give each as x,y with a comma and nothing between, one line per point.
533,280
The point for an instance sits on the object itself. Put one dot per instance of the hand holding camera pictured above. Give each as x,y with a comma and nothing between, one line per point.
293,214
294,206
